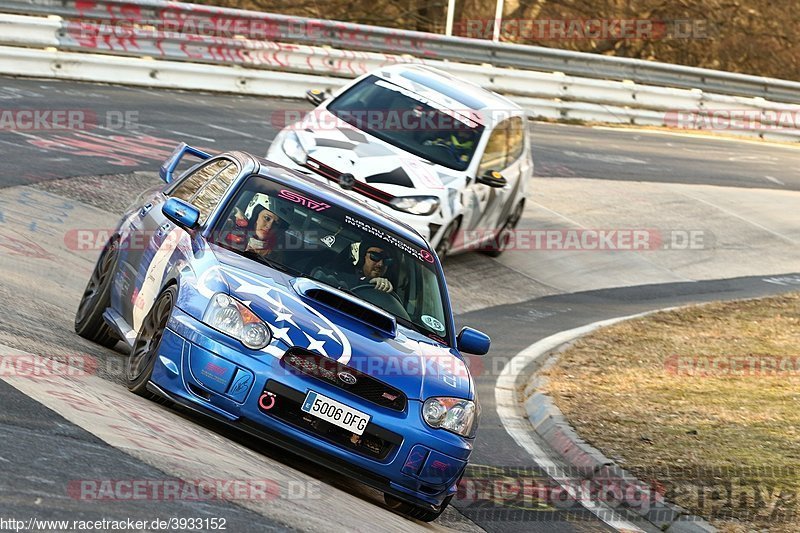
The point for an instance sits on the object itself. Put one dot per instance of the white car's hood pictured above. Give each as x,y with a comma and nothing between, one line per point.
337,144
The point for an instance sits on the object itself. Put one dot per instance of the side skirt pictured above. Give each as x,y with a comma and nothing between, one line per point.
119,326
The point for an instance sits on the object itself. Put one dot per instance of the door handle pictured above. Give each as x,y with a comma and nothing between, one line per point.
145,208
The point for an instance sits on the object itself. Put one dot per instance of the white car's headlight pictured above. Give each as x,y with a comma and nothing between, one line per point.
453,414
416,205
233,318
291,147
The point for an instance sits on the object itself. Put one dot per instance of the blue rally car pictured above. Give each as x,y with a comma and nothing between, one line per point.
283,307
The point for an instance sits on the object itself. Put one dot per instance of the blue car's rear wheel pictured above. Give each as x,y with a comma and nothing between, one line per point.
89,322
143,355
414,511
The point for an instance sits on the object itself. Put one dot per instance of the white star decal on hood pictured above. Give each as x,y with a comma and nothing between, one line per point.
274,297
327,332
258,290
285,317
316,345
282,334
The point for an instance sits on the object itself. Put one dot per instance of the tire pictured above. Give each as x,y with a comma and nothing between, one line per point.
413,511
446,242
89,322
142,359
500,244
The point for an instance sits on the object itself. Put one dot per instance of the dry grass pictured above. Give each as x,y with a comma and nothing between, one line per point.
648,394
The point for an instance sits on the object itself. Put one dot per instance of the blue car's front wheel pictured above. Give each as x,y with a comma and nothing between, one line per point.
143,355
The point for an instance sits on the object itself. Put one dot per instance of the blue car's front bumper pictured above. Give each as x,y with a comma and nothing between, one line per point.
399,454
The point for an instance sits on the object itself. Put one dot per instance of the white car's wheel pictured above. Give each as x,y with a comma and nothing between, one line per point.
499,245
446,242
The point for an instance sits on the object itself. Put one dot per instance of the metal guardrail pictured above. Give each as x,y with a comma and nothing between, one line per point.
138,42
347,36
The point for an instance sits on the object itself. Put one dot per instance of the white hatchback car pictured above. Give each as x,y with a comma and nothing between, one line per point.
446,156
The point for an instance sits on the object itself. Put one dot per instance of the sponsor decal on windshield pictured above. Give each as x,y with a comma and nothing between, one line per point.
302,200
432,323
421,255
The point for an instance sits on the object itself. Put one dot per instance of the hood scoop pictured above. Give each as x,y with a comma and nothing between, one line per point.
347,304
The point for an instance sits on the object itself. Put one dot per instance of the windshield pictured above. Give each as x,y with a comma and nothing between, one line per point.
306,237
409,121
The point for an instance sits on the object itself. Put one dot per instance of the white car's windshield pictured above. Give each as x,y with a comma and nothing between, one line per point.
409,121
305,236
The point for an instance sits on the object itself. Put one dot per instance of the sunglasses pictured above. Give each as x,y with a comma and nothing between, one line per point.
378,256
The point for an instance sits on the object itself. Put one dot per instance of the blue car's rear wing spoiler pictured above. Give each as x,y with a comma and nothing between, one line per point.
169,166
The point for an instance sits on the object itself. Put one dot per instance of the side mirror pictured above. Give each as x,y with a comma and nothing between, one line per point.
182,213
473,341
169,166
492,178
315,96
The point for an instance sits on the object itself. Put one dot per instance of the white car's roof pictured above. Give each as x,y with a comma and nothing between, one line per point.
449,90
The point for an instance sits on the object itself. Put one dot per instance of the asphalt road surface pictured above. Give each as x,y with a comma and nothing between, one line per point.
131,128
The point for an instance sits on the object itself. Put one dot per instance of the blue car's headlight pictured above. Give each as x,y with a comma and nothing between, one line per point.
291,146
233,318
453,414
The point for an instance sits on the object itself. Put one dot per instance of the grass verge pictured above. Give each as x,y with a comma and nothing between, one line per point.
704,401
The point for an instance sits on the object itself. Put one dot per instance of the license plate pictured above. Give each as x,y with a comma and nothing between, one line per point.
335,412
